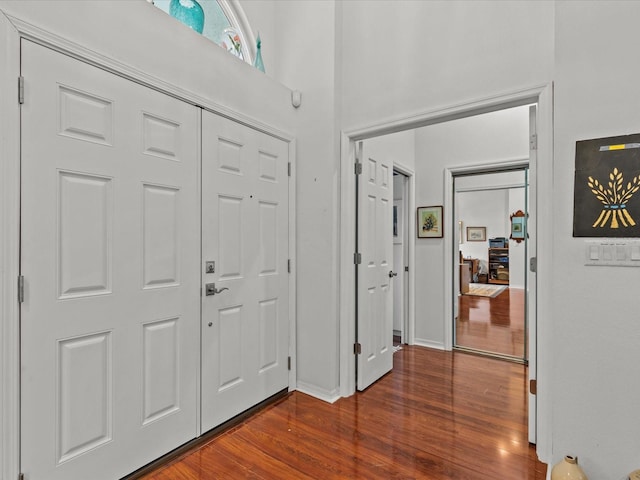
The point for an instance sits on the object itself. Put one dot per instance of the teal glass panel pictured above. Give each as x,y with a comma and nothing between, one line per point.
216,25
258,61
188,12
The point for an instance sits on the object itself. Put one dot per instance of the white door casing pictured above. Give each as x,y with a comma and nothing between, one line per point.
531,277
375,284
245,327
543,172
110,258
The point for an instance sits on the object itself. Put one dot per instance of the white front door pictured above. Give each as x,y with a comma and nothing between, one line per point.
110,255
245,314
375,283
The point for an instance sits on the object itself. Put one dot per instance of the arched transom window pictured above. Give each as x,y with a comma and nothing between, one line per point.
221,21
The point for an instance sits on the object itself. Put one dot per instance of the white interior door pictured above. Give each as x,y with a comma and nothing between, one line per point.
375,283
245,339
110,255
531,277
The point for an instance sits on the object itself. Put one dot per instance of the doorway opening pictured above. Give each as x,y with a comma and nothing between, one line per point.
401,240
490,301
438,331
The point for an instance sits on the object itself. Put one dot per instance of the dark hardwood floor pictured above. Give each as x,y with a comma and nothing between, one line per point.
493,324
438,415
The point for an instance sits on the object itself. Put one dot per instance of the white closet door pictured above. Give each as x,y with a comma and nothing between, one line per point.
245,339
375,275
110,256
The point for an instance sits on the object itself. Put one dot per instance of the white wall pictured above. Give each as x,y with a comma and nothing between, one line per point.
596,329
494,137
402,57
484,208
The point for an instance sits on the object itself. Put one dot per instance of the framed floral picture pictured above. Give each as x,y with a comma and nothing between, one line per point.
429,222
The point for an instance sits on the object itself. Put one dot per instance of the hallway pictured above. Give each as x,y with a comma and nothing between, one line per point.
438,415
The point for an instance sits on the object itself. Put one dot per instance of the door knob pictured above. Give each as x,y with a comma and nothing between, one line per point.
392,274
210,289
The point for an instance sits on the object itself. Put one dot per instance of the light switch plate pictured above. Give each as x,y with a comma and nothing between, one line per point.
612,252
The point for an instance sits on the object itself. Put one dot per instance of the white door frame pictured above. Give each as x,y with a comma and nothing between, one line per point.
9,251
540,94
408,321
11,32
449,193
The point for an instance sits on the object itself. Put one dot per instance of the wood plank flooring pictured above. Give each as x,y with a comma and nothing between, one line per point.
437,415
493,324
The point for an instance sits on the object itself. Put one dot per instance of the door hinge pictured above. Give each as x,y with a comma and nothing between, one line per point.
533,264
406,269
357,258
358,168
289,266
288,363
533,141
20,89
357,348
289,169
533,386
20,289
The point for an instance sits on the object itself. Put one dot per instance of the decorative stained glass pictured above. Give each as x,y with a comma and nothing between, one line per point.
218,27
188,12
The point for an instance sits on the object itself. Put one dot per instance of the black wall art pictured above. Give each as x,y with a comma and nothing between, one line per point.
607,182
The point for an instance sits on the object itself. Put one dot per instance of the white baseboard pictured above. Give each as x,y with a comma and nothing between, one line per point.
429,344
329,396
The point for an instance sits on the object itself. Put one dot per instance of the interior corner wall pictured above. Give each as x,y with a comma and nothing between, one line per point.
595,328
306,39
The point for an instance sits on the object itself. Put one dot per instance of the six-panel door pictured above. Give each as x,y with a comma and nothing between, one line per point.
110,256
375,287
115,239
245,337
